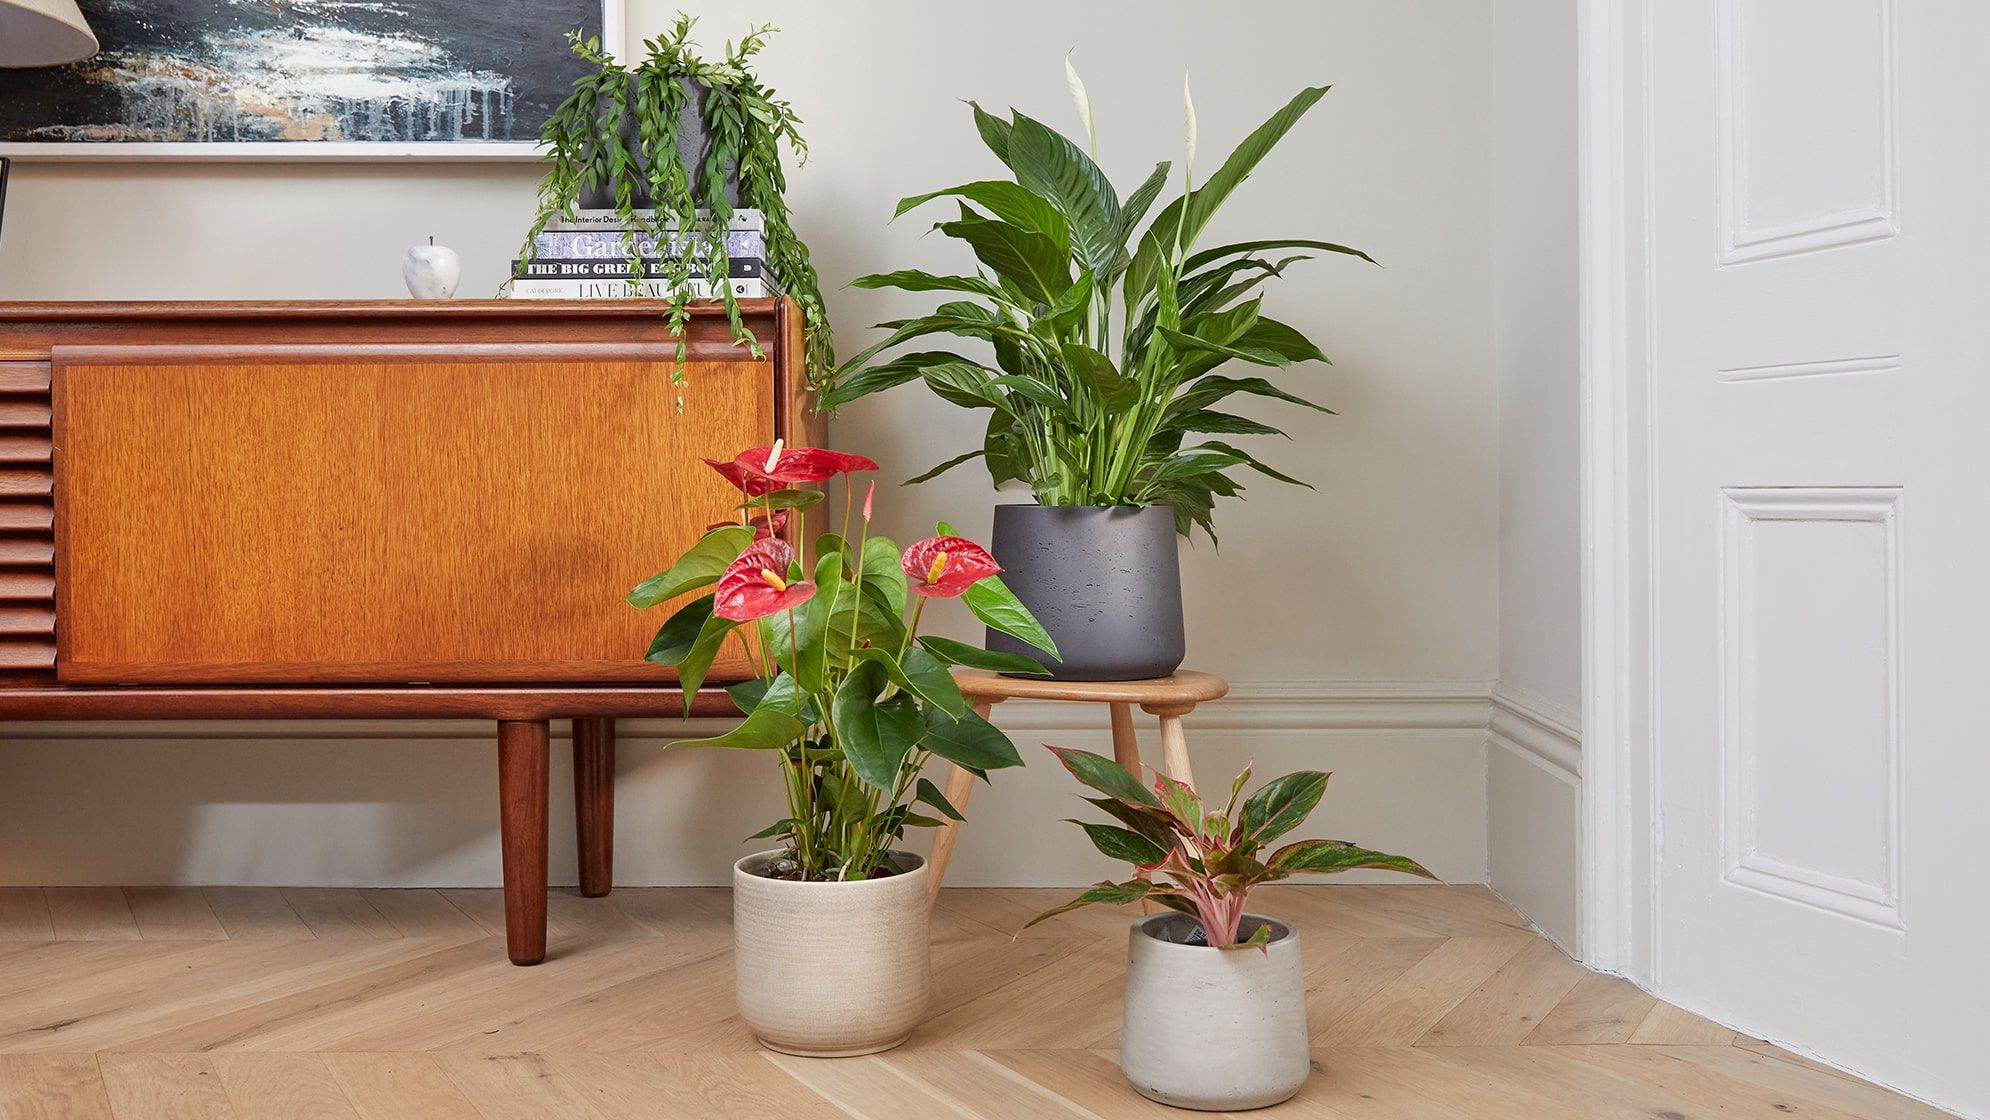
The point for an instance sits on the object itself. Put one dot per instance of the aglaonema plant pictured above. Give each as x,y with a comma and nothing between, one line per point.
848,696
1201,860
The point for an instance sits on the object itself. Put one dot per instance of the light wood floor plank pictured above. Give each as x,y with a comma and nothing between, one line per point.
256,914
1512,1002
24,915
164,1087
1669,1026
518,1087
173,914
1409,1006
338,912
230,1005
724,1085
865,1088
90,914
422,913
282,1087
399,1087
52,1087
1600,1009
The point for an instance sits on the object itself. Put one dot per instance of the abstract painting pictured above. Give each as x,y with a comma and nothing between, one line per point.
282,78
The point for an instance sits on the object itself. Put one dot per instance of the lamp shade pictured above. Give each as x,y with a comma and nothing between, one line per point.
43,33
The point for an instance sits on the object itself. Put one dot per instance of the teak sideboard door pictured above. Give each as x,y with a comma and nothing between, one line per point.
380,513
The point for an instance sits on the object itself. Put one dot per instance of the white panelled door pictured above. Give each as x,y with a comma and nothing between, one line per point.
1820,385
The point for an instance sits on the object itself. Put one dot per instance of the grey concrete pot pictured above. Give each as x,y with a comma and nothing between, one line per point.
829,970
1213,1029
694,144
1105,581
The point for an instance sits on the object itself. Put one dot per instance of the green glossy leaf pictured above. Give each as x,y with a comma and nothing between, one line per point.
691,669
1109,894
782,827
1096,371
1154,824
914,280
943,468
875,734
1135,205
929,793
1280,806
679,633
1106,776
1051,166
1029,260
800,639
766,729
969,740
700,566
1328,857
1205,256
964,384
781,499
974,657
1211,389
1011,202
884,577
1206,421
850,385
1125,844
994,131
995,605
928,678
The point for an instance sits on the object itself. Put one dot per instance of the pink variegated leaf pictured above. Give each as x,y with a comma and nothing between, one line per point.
1107,893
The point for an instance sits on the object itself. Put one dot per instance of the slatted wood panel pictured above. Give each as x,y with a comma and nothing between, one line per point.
1428,1003
27,520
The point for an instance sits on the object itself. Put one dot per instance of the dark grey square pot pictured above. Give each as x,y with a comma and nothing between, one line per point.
1105,581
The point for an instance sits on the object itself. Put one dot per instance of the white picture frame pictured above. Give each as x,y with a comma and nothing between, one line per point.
614,31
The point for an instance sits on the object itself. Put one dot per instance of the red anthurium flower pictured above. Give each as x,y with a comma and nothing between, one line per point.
790,465
756,585
759,523
947,566
749,483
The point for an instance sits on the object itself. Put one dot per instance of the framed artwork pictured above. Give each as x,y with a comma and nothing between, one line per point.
306,79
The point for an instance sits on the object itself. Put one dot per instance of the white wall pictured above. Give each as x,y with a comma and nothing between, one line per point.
1533,763
1359,620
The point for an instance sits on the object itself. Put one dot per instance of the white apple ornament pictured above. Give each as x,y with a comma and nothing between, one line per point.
431,271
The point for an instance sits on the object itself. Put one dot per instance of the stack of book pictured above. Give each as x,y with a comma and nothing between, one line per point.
587,256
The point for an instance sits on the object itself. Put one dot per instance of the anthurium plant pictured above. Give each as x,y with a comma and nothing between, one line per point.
1111,333
1208,859
849,697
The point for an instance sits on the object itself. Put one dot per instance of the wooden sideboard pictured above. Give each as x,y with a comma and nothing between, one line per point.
372,509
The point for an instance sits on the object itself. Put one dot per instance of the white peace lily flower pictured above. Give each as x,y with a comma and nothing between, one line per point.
1083,102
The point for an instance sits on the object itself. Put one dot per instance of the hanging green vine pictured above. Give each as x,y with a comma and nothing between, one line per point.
746,125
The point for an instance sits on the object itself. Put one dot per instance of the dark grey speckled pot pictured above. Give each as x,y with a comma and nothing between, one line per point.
1105,581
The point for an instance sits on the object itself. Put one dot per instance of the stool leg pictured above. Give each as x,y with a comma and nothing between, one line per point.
960,785
1125,745
1174,750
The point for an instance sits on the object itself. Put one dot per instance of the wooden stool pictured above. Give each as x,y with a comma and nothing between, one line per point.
1171,698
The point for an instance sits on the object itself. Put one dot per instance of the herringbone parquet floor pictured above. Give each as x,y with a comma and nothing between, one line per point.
1425,1002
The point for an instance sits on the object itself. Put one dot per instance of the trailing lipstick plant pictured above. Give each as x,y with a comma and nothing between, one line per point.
1209,857
848,695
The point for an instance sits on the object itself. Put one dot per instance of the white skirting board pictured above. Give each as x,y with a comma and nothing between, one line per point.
413,803
1534,813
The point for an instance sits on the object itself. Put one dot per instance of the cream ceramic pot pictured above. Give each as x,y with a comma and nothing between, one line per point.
829,970
1213,1029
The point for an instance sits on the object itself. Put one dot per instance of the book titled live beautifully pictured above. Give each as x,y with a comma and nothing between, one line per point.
617,268
534,288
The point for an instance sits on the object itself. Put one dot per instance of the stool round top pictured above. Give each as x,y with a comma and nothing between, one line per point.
1185,687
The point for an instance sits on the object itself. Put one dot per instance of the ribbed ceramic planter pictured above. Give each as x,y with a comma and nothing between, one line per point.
1105,581
1213,1029
828,970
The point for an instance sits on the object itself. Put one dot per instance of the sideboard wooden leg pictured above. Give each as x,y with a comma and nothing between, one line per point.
594,803
522,797
960,785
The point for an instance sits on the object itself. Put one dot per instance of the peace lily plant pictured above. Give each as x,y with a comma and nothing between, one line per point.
1107,335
